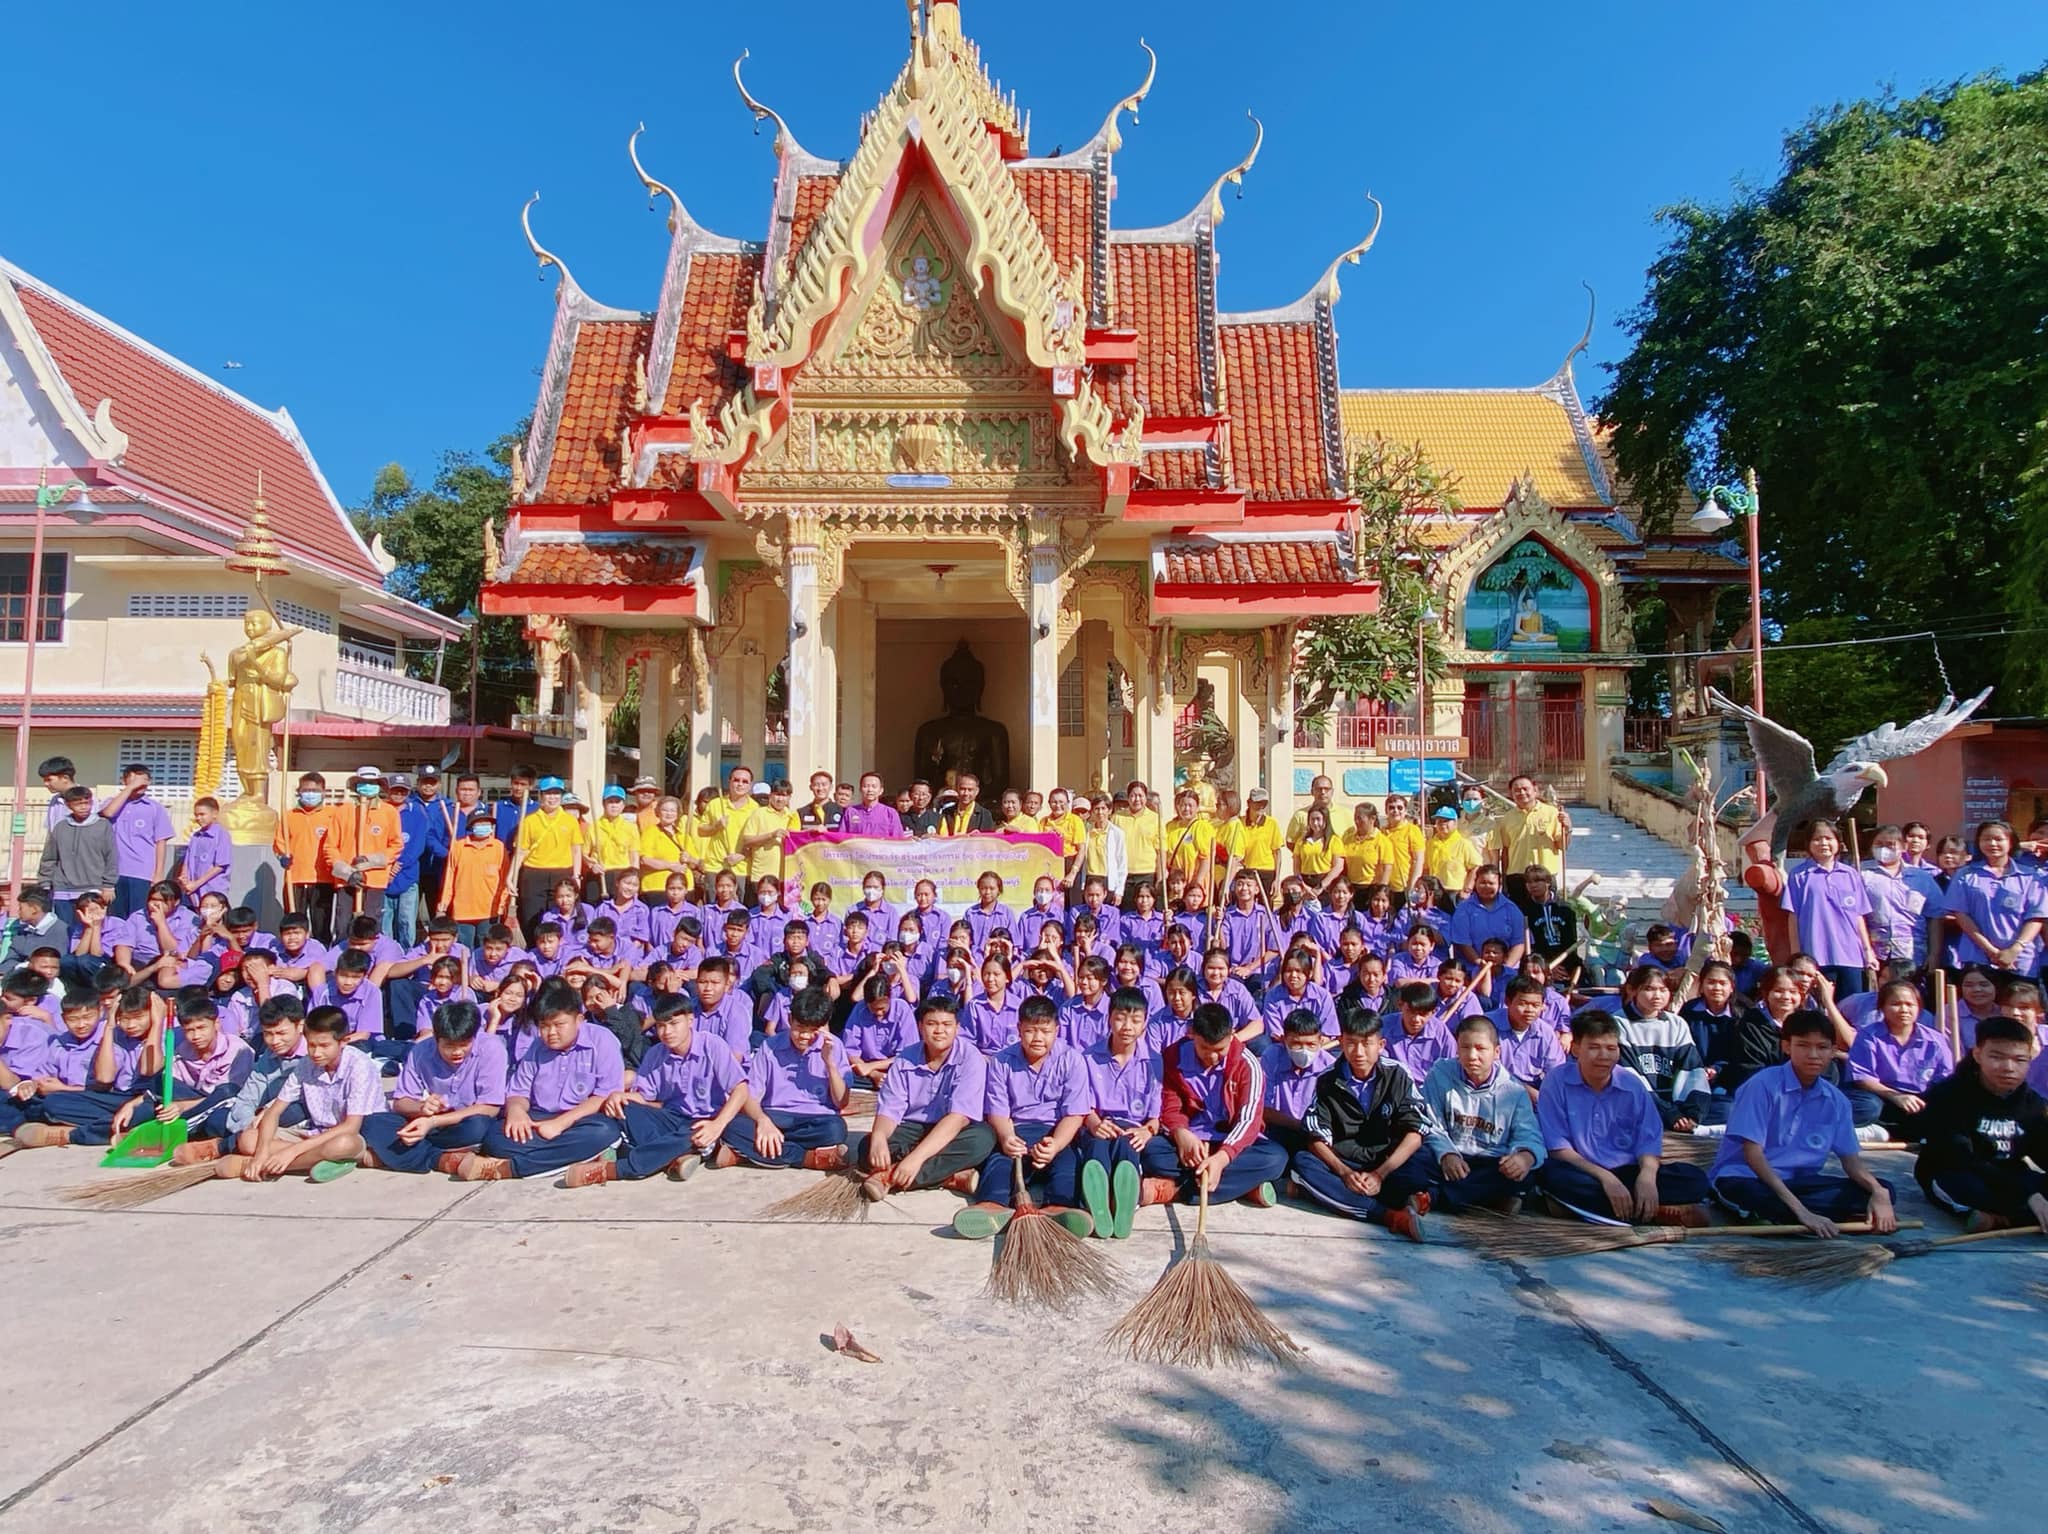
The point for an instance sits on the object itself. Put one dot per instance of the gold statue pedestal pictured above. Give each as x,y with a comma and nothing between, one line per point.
250,822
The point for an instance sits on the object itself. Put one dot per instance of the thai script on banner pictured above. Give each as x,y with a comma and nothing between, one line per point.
953,863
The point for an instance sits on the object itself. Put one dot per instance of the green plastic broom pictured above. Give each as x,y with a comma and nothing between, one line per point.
152,1142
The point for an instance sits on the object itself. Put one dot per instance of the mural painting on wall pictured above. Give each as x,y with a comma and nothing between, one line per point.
1529,602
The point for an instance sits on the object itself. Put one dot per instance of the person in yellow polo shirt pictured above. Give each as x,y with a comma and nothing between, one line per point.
1320,792
1260,847
1229,842
1190,840
1059,816
1531,835
1318,854
1139,823
1449,857
760,840
667,851
614,842
549,849
1404,847
723,823
1365,852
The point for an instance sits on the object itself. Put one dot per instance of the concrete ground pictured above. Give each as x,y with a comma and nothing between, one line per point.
395,1353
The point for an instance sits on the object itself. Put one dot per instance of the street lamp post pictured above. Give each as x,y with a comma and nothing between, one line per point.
1423,710
1722,504
47,495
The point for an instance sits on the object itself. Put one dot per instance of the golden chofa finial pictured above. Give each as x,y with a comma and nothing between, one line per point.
783,137
1236,174
654,188
545,257
257,552
1111,135
1327,288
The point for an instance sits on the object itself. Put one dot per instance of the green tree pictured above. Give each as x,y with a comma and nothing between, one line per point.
436,535
2026,664
1374,657
1834,693
1868,333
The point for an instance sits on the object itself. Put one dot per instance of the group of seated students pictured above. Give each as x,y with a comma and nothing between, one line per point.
1378,1061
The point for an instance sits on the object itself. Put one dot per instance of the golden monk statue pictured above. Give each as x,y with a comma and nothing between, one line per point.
261,682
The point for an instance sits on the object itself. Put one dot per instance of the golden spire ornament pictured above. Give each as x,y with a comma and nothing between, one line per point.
257,552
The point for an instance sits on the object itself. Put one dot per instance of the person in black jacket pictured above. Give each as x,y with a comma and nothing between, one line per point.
1365,1155
1553,924
1982,1126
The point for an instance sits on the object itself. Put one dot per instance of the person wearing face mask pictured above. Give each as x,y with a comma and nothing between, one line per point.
367,843
1902,899
474,881
304,846
1294,1061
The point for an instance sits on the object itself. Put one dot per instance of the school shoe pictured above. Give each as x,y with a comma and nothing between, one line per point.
1124,1198
588,1174
825,1158
1980,1220
963,1183
1077,1222
724,1158
1158,1190
449,1163
42,1136
1688,1216
1095,1198
193,1152
1407,1220
979,1222
328,1171
1261,1197
874,1189
682,1169
477,1168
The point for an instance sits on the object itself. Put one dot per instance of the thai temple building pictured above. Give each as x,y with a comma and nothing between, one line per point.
944,400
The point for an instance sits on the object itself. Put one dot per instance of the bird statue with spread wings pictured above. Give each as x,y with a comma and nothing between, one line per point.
1802,793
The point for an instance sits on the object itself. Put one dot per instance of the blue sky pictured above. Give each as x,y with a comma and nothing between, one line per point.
330,195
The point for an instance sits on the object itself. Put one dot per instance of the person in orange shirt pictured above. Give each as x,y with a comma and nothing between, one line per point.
646,799
475,880
365,846
304,845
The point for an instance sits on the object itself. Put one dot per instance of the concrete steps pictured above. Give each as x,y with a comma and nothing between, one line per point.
1634,866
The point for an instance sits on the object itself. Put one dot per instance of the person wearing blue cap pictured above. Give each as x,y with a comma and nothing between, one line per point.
614,843
548,849
1449,855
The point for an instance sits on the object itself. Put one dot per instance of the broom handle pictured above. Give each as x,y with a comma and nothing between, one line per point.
1021,1199
1984,1235
1201,1207
1847,1227
170,1052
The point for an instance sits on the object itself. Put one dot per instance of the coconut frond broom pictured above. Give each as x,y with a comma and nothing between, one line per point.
1197,1314
1040,1262
1825,1265
141,1188
834,1198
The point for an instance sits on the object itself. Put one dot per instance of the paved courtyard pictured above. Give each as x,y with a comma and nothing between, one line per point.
393,1353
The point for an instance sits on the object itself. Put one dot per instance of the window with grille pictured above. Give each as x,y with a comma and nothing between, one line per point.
305,617
186,604
14,599
1073,702
171,759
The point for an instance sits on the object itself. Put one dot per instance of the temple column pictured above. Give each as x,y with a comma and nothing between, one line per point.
704,726
854,650
587,754
1604,708
657,672
1041,616
749,672
1094,652
812,716
1156,709
1278,754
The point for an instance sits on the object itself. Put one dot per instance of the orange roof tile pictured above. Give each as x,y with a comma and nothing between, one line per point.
1274,563
1157,291
1178,469
596,401
601,564
1271,394
812,193
193,437
1063,202
714,306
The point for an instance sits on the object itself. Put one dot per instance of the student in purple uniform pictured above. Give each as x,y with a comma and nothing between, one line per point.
632,921
1895,1059
1422,1039
1366,1156
83,1077
1084,1016
1125,1080
1986,1132
556,1097
1526,1043
1456,999
152,944
142,840
1296,992
335,1087
676,906
1037,1095
1604,1138
24,1033
208,1067
492,960
1830,911
794,1113
928,1128
1246,933
1044,908
1221,987
1367,986
444,986
1095,904
991,1020
1785,1123
450,1092
988,912
877,914
1417,959
1293,1060
300,960
209,857
282,1023
1998,908
879,1028
1483,1128
687,1090
723,1011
